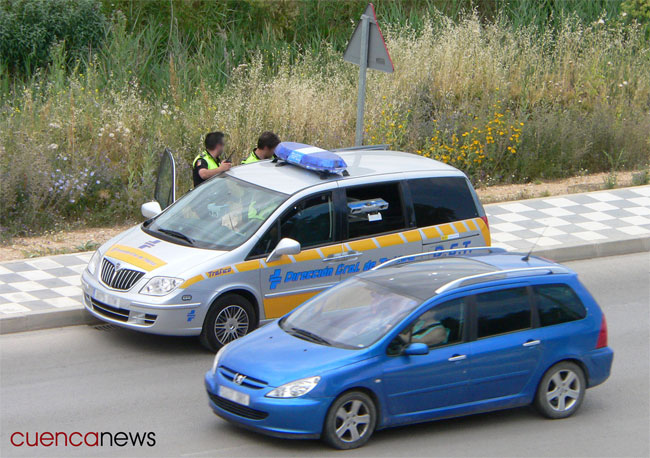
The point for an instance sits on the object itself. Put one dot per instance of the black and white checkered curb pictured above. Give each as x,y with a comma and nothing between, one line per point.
569,227
41,284
572,220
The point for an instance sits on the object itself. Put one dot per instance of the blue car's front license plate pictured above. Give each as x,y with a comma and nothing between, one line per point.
234,395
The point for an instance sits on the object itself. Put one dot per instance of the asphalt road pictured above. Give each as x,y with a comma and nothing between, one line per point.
107,379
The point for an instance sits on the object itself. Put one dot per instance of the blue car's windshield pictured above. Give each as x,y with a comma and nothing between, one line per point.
220,214
352,314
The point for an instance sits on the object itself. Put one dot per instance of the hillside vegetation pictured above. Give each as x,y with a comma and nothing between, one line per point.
508,92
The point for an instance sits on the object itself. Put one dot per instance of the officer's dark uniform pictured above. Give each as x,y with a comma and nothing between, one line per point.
203,161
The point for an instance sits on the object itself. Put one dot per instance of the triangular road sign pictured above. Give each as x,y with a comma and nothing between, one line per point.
378,57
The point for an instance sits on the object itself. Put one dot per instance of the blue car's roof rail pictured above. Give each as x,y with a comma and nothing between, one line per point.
461,252
512,273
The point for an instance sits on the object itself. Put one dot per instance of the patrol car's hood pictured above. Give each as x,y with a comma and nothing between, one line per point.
153,255
271,355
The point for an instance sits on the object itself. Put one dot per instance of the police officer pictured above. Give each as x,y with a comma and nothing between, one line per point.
266,144
207,164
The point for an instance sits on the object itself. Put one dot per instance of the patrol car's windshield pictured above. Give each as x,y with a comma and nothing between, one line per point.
352,314
220,214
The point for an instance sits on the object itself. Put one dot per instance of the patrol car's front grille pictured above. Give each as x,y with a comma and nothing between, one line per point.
122,279
246,381
238,409
118,314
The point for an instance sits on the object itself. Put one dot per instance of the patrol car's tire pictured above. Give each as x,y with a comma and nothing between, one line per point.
561,390
229,318
350,421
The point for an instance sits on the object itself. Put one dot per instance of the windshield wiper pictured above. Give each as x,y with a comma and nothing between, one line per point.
309,336
178,235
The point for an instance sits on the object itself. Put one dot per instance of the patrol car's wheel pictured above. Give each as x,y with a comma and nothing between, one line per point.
350,421
230,317
561,390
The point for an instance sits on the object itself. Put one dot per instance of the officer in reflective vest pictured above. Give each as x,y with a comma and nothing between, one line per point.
266,144
207,164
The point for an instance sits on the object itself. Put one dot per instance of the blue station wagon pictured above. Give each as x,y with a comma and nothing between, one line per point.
418,338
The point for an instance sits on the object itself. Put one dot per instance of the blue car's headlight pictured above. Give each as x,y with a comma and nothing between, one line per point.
217,357
294,389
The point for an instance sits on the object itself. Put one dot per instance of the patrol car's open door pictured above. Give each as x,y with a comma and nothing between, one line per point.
165,193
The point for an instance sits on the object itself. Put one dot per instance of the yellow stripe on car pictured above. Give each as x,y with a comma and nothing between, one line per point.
443,232
412,236
249,265
308,255
275,307
447,229
460,227
389,240
362,245
135,257
190,281
484,230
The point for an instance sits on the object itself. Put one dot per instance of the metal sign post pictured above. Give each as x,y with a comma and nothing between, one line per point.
367,49
363,66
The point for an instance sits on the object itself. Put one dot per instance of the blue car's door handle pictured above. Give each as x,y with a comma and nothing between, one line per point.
531,343
457,358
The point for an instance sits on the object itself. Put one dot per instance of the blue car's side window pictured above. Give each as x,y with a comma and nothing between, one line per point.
441,325
558,304
503,311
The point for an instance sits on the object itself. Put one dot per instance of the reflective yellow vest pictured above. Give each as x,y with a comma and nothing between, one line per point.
212,163
251,158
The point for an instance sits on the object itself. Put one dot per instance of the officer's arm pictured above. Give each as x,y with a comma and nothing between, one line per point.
209,173
206,173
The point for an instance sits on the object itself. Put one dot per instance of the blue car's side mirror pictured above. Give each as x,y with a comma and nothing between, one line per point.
416,348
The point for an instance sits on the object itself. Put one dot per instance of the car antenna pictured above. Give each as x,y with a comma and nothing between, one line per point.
527,257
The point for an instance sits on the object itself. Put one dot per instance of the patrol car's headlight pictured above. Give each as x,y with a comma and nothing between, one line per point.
295,389
217,357
159,286
94,262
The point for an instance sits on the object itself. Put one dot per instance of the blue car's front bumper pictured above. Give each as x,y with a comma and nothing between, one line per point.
296,417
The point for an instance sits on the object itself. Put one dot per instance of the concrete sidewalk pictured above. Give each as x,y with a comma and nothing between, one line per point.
45,292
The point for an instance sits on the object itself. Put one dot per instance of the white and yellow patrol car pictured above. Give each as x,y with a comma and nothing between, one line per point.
253,243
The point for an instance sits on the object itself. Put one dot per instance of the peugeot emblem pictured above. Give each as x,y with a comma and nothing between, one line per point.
239,379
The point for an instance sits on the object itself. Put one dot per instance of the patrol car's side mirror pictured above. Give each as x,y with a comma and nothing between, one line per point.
150,209
284,246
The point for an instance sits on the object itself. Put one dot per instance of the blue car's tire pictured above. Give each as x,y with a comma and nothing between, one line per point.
561,390
350,421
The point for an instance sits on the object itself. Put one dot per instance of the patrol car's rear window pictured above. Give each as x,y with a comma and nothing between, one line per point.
391,219
441,200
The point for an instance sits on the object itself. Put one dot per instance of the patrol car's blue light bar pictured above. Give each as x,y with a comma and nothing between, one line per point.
310,157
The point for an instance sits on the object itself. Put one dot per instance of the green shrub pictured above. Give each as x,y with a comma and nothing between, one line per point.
580,90
637,9
29,29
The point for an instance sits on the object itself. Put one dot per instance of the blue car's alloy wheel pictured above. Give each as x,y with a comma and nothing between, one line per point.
350,421
561,390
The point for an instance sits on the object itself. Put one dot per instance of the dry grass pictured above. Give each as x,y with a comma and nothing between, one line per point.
579,93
